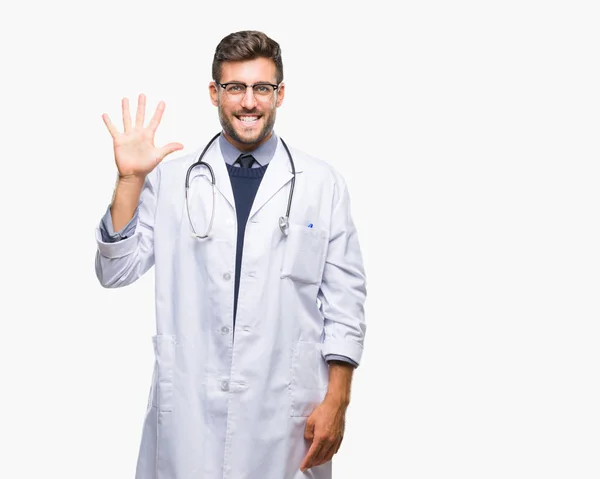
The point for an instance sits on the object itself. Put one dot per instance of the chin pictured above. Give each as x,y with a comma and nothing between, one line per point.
250,136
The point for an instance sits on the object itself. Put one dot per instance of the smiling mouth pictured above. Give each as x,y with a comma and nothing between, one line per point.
248,120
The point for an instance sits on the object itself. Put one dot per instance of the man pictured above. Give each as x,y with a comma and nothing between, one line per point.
259,323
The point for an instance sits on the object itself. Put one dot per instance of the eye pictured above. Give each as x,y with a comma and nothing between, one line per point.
235,88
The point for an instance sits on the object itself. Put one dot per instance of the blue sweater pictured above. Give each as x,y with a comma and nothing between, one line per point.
244,183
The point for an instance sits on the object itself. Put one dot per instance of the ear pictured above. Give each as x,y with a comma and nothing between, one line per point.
214,93
280,94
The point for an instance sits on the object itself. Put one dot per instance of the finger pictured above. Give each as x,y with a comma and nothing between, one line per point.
153,125
337,448
325,454
141,111
112,129
126,114
170,148
308,461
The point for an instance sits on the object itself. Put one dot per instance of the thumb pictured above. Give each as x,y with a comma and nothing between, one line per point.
168,149
309,430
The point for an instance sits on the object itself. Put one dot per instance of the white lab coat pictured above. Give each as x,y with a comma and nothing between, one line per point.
232,404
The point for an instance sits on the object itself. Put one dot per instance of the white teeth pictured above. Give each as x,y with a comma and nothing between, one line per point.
248,118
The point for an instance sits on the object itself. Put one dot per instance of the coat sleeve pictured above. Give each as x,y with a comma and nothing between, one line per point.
123,262
343,287
111,236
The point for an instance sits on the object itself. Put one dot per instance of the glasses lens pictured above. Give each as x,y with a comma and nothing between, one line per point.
263,90
235,89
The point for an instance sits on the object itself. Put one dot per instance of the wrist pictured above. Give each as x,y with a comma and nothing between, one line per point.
339,398
340,379
128,186
127,192
131,180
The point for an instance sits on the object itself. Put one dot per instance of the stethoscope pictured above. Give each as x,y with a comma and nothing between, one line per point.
284,223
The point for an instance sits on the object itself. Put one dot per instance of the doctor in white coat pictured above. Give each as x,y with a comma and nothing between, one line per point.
258,328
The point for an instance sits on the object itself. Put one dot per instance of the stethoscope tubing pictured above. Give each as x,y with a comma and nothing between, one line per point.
283,221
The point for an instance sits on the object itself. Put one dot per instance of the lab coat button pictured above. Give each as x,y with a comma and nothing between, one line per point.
246,328
224,330
224,385
226,276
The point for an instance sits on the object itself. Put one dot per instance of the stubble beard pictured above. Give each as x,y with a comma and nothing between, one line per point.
228,127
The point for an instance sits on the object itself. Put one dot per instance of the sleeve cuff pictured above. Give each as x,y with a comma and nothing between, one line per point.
119,249
350,349
337,357
106,227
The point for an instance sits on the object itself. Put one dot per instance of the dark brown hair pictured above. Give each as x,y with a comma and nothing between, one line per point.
246,45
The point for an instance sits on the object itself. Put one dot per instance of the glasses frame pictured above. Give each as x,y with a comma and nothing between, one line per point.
252,85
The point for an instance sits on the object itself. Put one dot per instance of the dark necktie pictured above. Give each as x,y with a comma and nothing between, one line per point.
246,160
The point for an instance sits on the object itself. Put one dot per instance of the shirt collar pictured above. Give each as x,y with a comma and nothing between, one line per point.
263,154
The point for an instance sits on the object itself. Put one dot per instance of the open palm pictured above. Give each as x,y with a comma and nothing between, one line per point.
135,153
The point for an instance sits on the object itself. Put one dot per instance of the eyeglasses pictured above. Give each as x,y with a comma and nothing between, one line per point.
236,90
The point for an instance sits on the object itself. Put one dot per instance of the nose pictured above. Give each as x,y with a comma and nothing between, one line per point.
249,100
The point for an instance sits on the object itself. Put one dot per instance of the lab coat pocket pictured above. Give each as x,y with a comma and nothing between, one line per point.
304,255
309,378
152,393
164,353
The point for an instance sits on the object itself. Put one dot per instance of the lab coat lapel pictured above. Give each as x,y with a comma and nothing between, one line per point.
278,174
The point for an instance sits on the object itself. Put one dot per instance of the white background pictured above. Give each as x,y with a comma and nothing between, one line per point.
468,135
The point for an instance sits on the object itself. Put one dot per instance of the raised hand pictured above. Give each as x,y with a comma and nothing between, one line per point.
135,153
